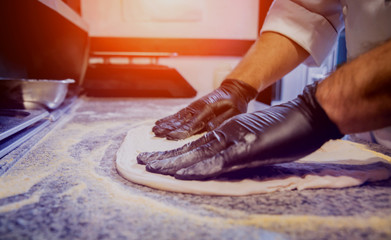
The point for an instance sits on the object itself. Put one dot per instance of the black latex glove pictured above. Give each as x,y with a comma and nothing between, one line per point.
278,134
230,99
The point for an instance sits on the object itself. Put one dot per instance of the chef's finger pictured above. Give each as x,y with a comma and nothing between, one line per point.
185,131
178,115
163,130
145,157
171,165
216,164
164,126
218,120
193,125
208,168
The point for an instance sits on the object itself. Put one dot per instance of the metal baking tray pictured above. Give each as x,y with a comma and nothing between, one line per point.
35,93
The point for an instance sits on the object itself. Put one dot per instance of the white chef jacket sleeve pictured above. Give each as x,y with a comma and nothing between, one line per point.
313,24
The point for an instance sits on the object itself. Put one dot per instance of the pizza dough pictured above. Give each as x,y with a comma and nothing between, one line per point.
336,164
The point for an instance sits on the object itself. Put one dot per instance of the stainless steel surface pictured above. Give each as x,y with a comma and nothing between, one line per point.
36,92
18,138
19,125
15,120
64,10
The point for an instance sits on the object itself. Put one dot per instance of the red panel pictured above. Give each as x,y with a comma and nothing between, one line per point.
182,46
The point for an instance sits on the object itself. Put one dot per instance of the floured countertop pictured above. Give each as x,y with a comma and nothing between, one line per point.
67,187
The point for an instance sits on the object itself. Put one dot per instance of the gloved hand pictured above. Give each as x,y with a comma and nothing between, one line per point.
230,99
278,134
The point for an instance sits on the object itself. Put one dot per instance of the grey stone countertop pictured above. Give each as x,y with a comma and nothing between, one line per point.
63,184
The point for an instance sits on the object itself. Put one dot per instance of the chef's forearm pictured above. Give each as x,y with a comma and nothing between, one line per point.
357,97
268,60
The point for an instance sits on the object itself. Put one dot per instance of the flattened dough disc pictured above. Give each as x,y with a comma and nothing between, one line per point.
337,164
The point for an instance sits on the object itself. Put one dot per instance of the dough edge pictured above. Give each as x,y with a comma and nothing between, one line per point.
129,169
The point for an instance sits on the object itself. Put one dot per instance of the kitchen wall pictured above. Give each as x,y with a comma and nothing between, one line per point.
227,19
209,19
218,19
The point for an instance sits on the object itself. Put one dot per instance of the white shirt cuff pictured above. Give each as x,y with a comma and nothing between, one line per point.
312,31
